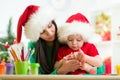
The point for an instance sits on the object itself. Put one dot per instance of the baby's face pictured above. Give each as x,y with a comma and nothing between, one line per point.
75,41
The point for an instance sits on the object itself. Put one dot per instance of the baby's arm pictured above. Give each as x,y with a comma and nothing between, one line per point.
91,60
94,61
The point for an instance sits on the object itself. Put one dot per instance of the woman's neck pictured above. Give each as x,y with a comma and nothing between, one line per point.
49,43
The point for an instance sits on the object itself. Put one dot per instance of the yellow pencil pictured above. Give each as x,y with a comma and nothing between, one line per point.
14,53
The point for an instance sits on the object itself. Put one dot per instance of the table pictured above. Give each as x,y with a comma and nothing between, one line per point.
59,77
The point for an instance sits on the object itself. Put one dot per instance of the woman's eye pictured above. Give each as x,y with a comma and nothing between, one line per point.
49,26
43,32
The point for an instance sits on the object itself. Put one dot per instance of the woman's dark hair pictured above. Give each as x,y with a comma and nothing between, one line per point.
41,53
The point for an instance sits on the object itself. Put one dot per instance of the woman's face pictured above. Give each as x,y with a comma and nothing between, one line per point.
48,33
75,41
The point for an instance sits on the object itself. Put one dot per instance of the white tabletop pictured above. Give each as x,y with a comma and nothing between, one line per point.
59,77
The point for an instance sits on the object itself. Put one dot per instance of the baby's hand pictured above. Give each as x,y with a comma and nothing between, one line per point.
69,57
80,56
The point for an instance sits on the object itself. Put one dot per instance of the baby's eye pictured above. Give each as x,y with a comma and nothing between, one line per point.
78,40
70,40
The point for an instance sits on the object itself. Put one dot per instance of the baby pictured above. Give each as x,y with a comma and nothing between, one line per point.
77,36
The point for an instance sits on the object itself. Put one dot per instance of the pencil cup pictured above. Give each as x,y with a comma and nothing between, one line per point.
118,69
21,67
2,69
34,68
9,68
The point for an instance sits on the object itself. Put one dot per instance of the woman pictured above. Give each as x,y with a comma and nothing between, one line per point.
40,27
46,48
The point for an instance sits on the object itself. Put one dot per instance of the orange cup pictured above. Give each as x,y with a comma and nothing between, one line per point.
2,69
118,69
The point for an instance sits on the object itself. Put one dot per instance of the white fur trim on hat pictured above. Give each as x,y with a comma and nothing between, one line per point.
67,29
38,21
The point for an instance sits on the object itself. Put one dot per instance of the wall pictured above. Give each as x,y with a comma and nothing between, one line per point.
112,47
116,41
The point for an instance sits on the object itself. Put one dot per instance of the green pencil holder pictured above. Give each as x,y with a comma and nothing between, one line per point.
34,68
21,67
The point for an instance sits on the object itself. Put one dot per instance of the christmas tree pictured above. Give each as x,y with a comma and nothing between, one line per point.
9,39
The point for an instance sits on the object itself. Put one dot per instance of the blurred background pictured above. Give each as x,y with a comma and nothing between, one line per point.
104,15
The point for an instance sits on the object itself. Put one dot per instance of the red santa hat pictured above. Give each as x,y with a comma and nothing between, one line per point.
76,24
34,20
77,17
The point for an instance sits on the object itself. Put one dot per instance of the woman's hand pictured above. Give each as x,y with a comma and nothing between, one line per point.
69,66
88,68
84,66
